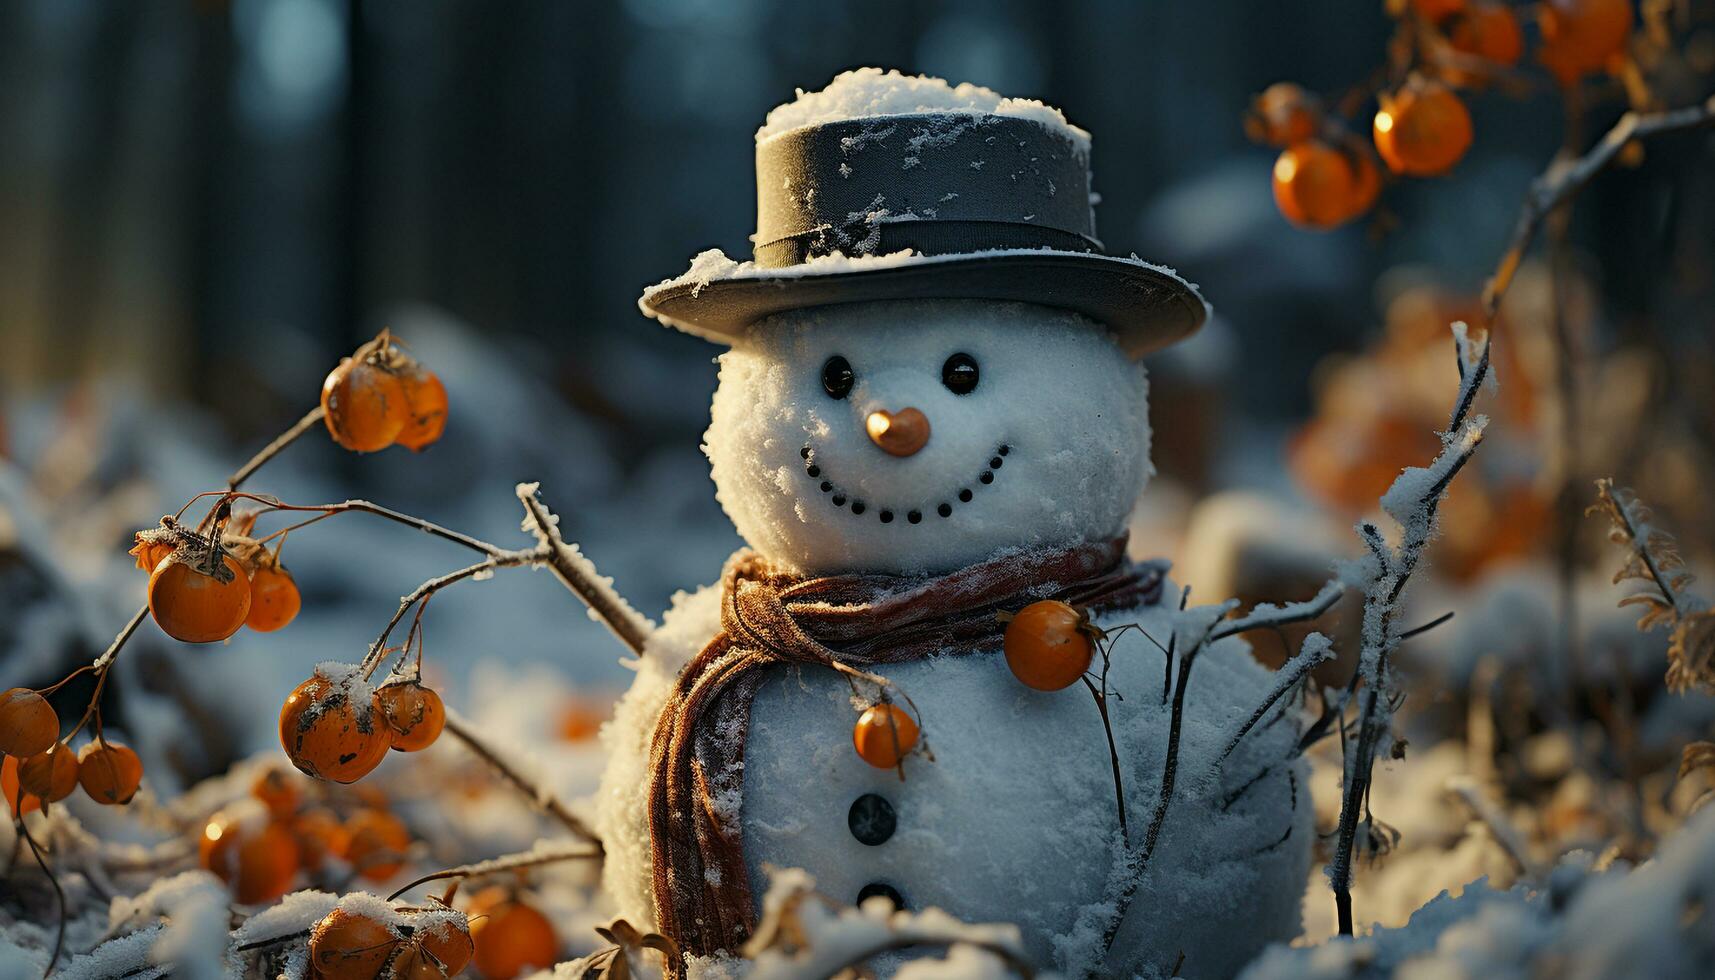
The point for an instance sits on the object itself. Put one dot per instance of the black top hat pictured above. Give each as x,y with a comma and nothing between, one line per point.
989,206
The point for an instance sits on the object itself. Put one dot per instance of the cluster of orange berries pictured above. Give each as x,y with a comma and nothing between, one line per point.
363,938
334,727
380,396
37,768
203,589
499,932
1326,175
259,844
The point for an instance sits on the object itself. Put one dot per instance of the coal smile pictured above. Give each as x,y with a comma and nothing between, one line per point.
843,500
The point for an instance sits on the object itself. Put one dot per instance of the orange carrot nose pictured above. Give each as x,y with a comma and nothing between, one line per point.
899,433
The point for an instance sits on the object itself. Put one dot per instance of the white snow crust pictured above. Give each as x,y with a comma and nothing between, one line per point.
867,93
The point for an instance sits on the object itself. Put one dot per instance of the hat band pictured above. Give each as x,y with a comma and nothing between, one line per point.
864,238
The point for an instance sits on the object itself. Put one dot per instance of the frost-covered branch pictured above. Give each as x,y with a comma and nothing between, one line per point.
1566,177
1267,615
545,852
510,559
1316,650
580,575
1412,502
458,728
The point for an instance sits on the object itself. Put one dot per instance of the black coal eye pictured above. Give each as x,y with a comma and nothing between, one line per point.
959,374
837,377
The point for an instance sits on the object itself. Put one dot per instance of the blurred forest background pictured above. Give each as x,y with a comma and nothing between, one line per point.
204,204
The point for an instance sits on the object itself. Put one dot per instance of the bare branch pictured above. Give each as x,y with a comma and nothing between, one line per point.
550,803
274,448
579,575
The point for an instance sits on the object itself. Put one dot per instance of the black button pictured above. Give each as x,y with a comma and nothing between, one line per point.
872,820
875,888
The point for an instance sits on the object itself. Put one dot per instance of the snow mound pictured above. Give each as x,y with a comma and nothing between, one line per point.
870,92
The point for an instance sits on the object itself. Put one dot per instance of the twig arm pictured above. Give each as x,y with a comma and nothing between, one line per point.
579,575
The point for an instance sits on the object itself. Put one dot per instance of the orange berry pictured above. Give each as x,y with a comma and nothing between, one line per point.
254,854
194,605
884,735
18,802
1283,114
278,791
50,775
109,773
28,723
364,405
150,553
1437,10
1423,129
440,946
1582,36
329,726
1319,186
349,945
1489,31
427,399
320,836
1048,645
414,715
274,599
378,844
510,935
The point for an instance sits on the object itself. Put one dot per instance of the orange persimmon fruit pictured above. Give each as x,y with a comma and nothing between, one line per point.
364,405
1422,129
1582,36
18,802
331,733
50,775
351,945
195,603
1049,645
256,855
377,842
426,398
28,723
1317,185
1489,31
109,773
320,836
278,790
274,599
440,946
414,714
510,935
1283,114
884,735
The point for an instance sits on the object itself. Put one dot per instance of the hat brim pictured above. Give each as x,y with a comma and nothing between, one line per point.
1147,307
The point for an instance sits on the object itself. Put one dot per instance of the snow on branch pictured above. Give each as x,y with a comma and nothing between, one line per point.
1412,502
579,574
1316,649
1265,614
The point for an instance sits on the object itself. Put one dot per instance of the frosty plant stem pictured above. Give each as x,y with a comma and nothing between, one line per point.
1412,501
458,728
533,858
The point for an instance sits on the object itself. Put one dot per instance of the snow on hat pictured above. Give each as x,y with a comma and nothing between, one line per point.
888,186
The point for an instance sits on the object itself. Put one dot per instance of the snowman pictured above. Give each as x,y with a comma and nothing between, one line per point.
931,412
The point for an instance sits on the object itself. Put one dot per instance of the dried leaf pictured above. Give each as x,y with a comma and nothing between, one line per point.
1691,654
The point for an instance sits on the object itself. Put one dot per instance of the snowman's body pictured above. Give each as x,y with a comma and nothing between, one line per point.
1014,819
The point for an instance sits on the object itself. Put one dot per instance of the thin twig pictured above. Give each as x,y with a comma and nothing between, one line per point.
513,862
274,448
1565,179
576,572
550,803
59,893
1113,757
378,649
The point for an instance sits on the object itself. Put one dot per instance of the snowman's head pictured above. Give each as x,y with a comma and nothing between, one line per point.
924,435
